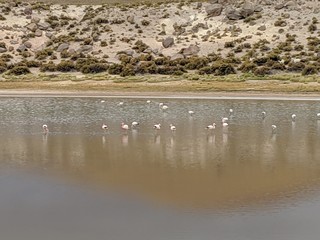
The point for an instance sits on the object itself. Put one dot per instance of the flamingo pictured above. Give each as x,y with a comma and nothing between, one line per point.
318,115
274,128
124,126
191,112
172,127
120,103
104,127
230,111
45,128
293,117
263,114
148,101
134,124
157,126
211,127
224,119
164,107
225,124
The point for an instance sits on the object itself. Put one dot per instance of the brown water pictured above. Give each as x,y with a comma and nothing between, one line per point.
236,182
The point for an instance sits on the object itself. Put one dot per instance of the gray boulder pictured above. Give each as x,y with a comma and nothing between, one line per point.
38,33
85,49
128,52
22,48
177,56
168,42
62,47
27,11
43,25
130,19
247,9
28,44
32,27
214,10
190,51
2,50
233,14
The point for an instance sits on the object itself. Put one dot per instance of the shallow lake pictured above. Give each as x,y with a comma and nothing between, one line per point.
240,182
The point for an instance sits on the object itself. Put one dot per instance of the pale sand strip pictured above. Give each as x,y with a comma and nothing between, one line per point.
168,95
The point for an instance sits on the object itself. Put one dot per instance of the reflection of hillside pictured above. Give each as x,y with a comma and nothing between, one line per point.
245,164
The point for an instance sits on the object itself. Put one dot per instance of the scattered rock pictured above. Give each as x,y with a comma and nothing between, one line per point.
262,28
130,19
43,25
214,10
35,20
85,49
32,27
27,11
190,51
2,50
233,14
168,42
128,52
22,48
14,42
38,33
177,56
49,35
247,9
28,44
62,47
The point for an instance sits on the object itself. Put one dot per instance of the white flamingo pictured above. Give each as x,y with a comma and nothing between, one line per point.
120,103
172,127
124,126
157,126
224,119
263,114
104,127
45,128
318,115
134,124
293,117
164,107
191,112
274,128
230,111
211,127
225,124
148,101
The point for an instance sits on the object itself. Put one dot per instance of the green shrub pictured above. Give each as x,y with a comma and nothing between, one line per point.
19,70
247,66
48,67
115,69
127,70
229,44
66,66
94,68
262,71
309,70
296,66
218,68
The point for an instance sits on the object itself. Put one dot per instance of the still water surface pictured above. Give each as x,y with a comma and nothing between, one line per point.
235,183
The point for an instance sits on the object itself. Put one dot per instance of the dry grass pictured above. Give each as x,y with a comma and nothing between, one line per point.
159,83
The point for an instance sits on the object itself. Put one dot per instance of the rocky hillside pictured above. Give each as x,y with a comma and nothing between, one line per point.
217,37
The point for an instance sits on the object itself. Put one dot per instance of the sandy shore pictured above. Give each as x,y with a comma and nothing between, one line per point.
151,95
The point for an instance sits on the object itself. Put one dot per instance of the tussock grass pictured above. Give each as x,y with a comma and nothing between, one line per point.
159,83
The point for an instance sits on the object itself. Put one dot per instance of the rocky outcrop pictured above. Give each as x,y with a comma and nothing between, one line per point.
190,51
62,47
214,10
168,42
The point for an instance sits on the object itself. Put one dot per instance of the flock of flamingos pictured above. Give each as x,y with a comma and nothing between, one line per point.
164,107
